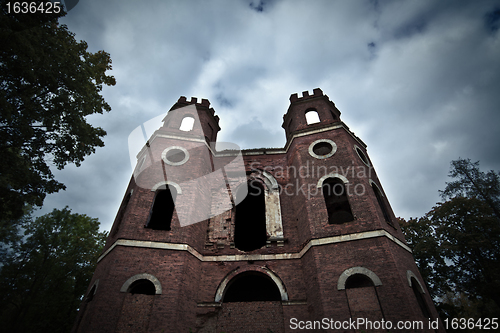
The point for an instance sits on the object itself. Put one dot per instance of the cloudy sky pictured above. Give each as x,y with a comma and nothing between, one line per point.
417,81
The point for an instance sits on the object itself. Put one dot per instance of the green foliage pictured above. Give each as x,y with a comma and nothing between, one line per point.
49,84
473,183
46,274
457,244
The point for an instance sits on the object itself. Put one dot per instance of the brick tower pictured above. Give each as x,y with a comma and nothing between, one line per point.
259,240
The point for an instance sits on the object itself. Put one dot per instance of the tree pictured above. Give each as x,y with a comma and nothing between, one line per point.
472,182
457,243
46,275
49,84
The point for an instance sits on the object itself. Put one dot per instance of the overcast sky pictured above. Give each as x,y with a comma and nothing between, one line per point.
417,81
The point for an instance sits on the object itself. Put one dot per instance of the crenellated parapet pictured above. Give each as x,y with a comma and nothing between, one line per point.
305,95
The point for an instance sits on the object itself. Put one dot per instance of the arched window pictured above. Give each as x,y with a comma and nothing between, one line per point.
138,302
312,117
337,203
187,124
145,284
163,209
362,297
415,286
381,203
250,219
143,287
358,281
251,287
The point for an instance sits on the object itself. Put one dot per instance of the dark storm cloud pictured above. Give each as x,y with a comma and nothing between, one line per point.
492,20
418,81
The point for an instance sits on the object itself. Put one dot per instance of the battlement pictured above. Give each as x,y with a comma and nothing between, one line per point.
182,101
305,95
194,100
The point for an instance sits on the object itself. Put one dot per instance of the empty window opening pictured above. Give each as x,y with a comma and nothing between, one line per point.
143,287
312,117
163,209
322,148
420,298
250,219
381,203
358,281
252,287
337,203
187,124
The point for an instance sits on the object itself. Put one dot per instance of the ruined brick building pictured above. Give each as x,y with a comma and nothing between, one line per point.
310,239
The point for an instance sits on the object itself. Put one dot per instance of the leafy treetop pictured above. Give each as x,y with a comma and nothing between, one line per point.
457,243
45,275
49,84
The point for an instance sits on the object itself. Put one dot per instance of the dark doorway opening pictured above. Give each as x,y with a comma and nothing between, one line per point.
250,219
163,209
252,287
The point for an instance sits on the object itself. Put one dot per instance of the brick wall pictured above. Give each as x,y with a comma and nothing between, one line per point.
251,317
191,279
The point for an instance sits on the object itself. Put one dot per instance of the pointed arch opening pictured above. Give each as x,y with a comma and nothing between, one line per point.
163,209
250,218
336,200
251,287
